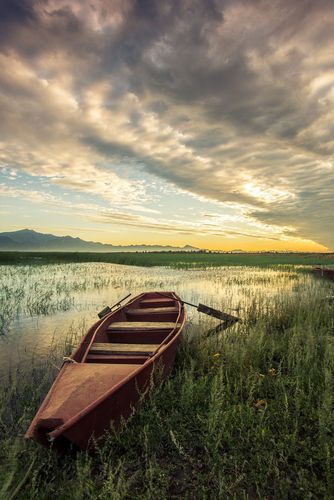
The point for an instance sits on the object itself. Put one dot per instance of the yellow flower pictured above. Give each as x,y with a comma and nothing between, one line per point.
272,372
260,404
216,355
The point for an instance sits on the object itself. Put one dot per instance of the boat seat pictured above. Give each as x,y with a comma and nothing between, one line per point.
142,325
134,359
120,348
153,310
163,302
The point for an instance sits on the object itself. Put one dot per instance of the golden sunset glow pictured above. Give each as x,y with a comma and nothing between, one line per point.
205,123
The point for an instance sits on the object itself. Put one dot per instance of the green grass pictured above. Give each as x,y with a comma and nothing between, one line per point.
248,414
173,259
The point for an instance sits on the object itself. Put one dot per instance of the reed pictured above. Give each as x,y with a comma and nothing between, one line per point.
247,414
178,260
41,290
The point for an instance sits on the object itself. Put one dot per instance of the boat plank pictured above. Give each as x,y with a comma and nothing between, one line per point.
80,384
117,358
142,325
153,310
111,347
157,301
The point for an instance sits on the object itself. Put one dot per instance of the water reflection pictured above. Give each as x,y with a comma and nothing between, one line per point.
40,303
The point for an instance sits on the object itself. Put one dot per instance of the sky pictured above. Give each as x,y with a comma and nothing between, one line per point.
174,122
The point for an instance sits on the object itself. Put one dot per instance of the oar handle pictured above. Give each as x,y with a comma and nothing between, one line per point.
208,310
108,309
178,300
188,303
120,301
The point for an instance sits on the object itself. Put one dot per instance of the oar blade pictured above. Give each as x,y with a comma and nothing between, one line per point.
217,314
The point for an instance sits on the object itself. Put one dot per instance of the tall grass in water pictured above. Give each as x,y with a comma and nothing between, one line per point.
178,260
29,291
247,414
32,291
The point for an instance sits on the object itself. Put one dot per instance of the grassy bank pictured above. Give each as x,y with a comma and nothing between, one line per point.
245,415
173,259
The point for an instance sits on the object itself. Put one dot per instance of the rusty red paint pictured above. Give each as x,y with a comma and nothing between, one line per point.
95,391
325,272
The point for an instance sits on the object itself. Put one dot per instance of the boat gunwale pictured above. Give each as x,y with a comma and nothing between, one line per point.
150,360
30,432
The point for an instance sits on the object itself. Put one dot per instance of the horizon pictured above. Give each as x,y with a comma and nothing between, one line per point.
196,123
138,244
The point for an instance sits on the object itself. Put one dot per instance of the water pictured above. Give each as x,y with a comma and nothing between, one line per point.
39,305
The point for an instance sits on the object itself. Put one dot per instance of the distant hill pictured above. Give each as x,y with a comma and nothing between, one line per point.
27,240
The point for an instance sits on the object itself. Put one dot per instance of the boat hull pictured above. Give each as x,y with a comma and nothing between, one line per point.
98,391
121,404
324,273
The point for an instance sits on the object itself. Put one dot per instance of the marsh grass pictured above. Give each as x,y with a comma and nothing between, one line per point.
28,291
178,260
41,290
247,414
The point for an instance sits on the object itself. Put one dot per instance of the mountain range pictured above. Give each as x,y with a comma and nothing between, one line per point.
27,240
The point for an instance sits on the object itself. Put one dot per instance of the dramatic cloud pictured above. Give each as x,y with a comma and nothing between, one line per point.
228,101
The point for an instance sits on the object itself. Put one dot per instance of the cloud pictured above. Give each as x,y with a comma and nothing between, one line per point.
209,224
230,101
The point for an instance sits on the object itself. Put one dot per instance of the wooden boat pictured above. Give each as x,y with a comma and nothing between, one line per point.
111,370
325,272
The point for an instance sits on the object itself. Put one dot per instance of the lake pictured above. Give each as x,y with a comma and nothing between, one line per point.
42,305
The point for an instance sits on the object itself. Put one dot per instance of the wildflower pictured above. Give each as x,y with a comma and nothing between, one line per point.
272,372
216,355
260,404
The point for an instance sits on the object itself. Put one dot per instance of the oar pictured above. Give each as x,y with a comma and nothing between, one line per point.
108,309
208,310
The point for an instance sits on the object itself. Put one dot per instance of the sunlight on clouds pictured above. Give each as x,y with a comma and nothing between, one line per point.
266,194
231,106
322,84
69,170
